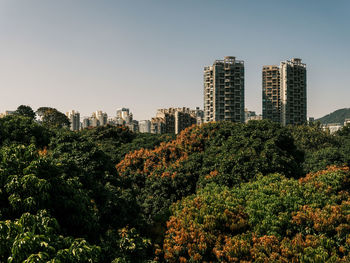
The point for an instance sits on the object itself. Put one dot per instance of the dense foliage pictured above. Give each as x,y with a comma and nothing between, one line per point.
52,118
220,192
26,111
273,219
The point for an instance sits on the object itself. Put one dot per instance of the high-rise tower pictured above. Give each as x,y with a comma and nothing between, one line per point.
284,92
271,93
293,92
74,118
224,91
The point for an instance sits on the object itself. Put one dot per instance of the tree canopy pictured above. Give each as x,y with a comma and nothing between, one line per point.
52,117
219,192
25,111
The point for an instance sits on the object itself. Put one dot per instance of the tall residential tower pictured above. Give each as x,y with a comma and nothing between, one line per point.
284,92
224,91
74,118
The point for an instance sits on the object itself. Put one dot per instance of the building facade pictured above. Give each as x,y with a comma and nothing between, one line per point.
174,120
145,126
284,92
101,117
271,93
124,116
224,91
74,118
86,122
158,125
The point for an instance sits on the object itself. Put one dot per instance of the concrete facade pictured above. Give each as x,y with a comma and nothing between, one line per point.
74,118
224,91
174,120
145,126
284,92
271,93
293,92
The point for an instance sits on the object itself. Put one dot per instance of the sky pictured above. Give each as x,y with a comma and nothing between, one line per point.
89,55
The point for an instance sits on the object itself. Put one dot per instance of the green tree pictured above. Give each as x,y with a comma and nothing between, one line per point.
52,117
23,130
25,111
37,238
32,181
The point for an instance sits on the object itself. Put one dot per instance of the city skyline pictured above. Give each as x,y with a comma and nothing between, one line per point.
87,56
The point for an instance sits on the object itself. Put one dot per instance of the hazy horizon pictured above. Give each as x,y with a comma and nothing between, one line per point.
89,55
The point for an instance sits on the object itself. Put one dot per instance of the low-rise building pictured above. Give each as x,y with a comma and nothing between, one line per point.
255,118
7,113
347,122
332,127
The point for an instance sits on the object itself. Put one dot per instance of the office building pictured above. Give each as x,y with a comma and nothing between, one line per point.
284,92
224,91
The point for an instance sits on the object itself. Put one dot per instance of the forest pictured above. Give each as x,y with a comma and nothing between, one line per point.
219,192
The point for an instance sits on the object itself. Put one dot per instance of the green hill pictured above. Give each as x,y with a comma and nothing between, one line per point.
337,116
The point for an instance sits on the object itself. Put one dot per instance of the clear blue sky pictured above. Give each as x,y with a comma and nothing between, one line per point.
88,55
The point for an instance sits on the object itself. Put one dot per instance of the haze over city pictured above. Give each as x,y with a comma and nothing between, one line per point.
145,55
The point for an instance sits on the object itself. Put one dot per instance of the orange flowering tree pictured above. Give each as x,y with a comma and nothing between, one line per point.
225,153
272,219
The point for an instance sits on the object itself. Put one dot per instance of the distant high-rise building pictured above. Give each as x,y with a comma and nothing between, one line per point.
248,114
158,125
74,118
123,113
198,114
133,126
124,116
271,93
293,92
94,122
284,92
86,122
183,120
101,118
174,120
224,91
145,126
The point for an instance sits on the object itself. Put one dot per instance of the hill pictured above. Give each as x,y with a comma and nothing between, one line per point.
337,116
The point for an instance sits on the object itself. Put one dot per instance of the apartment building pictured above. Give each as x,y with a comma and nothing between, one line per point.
145,126
174,120
74,118
284,92
271,93
224,90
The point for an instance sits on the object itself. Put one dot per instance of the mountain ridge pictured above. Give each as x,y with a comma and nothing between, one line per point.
337,116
